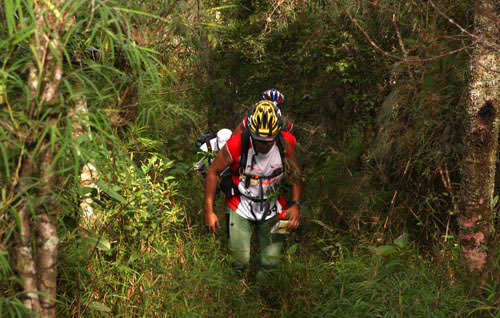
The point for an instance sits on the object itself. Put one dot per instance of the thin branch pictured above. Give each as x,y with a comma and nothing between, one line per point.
445,54
408,59
483,41
268,19
353,20
401,44
405,52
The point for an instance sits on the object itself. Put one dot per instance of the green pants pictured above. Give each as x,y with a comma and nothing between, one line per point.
240,233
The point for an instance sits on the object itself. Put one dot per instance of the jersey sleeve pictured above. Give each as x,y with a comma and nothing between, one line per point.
245,122
290,142
234,148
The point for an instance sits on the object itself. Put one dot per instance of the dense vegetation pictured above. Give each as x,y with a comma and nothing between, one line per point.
380,140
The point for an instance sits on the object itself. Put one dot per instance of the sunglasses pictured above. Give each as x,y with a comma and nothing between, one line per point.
263,143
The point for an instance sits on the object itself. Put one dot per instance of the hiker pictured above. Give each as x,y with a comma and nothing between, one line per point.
258,159
208,143
278,99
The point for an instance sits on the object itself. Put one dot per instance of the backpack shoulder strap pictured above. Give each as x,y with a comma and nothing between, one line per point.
245,144
209,144
281,147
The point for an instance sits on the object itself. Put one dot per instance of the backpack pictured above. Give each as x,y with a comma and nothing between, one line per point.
204,139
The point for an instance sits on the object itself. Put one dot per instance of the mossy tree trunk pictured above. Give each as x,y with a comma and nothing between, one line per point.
38,243
481,138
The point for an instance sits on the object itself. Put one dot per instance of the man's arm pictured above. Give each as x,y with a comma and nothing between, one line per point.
296,175
238,129
220,163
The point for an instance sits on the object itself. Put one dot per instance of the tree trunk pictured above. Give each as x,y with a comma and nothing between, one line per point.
26,266
38,268
481,138
46,231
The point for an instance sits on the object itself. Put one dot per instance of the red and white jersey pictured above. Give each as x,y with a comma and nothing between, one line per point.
264,165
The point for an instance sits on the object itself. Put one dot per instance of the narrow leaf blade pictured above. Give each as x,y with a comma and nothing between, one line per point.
107,189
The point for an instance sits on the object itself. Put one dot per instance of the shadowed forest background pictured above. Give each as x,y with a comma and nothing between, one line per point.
101,103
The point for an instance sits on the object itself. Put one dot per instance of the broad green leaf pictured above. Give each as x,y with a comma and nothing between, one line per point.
9,15
107,189
101,243
385,250
292,249
99,306
85,190
402,240
325,226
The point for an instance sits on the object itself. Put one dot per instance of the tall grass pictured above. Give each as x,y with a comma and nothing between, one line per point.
145,253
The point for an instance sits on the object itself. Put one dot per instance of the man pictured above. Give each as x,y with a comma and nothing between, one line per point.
258,167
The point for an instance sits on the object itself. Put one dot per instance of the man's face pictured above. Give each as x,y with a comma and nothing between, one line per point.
263,146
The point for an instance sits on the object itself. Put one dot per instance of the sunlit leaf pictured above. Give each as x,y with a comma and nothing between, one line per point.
229,6
9,15
402,240
101,243
386,250
99,306
324,225
292,249
107,189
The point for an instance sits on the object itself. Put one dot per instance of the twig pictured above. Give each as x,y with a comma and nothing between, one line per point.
446,54
402,45
484,42
268,19
353,20
405,52
413,59
124,95
445,178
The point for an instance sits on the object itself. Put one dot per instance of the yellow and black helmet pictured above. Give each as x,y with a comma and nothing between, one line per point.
264,121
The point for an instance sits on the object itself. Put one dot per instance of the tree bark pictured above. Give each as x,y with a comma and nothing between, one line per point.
26,266
47,239
38,268
481,139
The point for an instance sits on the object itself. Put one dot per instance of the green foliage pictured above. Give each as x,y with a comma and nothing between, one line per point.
379,139
107,67
125,242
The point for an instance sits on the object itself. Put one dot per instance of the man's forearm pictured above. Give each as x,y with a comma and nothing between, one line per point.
296,191
210,188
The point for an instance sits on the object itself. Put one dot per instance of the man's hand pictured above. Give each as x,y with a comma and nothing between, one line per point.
293,217
220,163
212,222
